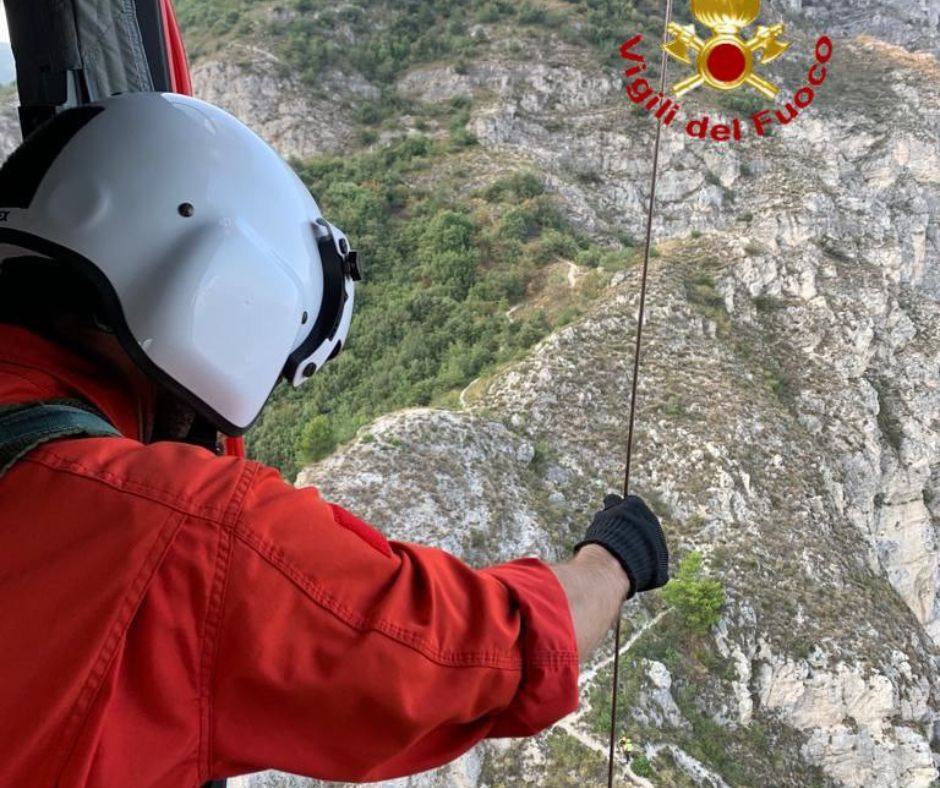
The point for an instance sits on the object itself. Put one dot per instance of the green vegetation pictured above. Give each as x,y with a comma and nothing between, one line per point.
390,36
724,749
742,103
765,361
701,680
702,291
641,766
768,303
674,407
441,274
696,598
381,39
669,774
317,438
573,764
569,765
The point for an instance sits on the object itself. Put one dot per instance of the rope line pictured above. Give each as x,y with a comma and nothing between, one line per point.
636,378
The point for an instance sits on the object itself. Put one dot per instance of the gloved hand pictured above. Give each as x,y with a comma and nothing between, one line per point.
631,533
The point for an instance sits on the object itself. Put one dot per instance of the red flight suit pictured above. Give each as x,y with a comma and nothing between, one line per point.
168,616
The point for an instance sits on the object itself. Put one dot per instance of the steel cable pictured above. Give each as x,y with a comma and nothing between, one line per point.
636,376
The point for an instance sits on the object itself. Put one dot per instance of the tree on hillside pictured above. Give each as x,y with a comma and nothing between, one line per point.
696,598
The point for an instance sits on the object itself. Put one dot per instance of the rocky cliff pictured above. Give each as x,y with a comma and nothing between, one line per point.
789,411
789,405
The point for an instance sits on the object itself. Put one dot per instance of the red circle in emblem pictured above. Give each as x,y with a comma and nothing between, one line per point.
726,63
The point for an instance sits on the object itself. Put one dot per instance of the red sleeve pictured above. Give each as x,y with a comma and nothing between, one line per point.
176,52
346,657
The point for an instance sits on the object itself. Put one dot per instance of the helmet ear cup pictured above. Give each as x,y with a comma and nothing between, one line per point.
303,361
214,319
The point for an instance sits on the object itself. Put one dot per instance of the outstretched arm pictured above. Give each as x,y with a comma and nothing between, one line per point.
337,654
343,656
596,586
624,552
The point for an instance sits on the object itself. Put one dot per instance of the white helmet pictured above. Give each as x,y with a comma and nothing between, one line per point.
217,272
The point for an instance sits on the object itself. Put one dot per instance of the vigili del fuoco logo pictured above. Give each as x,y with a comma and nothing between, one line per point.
725,61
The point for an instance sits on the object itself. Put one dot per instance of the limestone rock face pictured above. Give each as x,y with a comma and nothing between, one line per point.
472,469
860,726
657,701
788,401
298,120
912,23
10,135
860,759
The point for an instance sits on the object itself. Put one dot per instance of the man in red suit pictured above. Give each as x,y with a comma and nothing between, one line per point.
172,616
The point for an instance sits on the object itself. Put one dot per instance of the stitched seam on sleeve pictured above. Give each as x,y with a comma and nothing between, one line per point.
240,493
131,601
552,659
210,649
213,623
318,594
48,459
26,380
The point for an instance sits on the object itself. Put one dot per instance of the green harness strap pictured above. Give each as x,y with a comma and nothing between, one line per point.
23,427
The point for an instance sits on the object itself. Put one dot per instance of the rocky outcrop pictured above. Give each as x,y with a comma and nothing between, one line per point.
914,24
657,706
298,119
811,316
10,134
755,477
491,474
865,726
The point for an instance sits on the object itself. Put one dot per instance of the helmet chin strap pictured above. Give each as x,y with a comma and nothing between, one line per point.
173,420
204,434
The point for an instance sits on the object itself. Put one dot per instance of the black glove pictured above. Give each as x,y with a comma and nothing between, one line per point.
632,534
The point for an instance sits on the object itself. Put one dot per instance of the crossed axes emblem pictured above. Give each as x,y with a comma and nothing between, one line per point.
726,60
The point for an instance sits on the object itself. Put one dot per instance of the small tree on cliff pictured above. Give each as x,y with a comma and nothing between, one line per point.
696,598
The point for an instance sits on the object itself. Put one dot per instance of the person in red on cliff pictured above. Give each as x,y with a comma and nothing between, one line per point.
171,616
